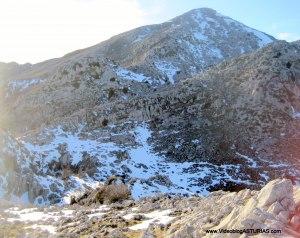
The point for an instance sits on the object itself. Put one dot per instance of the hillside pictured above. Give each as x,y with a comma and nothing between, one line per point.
108,109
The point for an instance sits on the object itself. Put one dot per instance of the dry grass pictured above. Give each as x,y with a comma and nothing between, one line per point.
113,193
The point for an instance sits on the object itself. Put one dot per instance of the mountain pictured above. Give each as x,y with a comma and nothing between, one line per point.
188,43
155,54
185,107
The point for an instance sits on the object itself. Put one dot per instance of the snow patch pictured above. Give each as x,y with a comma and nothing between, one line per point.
129,216
295,114
263,38
142,165
251,161
75,145
155,217
216,52
98,214
168,69
142,35
21,85
200,37
129,75
79,186
33,215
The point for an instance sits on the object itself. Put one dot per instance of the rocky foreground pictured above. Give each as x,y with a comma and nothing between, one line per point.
271,212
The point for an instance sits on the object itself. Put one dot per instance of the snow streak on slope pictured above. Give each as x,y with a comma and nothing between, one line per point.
21,85
263,39
127,74
168,69
155,217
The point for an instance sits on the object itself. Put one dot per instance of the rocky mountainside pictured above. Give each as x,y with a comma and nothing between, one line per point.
186,107
271,212
250,100
225,128
155,55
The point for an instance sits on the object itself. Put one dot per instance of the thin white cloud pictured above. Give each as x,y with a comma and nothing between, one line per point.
288,36
36,30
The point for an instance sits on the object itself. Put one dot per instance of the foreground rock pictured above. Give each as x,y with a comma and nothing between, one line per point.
271,212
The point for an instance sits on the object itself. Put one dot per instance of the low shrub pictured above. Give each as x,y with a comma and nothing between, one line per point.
110,192
111,93
113,193
104,122
125,90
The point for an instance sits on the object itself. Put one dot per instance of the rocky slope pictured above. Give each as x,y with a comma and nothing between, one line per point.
94,113
225,128
271,212
250,100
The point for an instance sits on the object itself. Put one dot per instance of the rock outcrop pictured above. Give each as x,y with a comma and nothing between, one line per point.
271,212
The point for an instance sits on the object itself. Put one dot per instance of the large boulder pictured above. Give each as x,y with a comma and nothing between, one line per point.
270,208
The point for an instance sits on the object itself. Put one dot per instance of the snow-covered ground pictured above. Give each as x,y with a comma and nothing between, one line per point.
156,217
151,173
75,145
201,37
263,38
21,85
168,69
46,220
129,75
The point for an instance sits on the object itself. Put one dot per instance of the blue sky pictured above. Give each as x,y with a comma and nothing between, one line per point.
280,18
37,30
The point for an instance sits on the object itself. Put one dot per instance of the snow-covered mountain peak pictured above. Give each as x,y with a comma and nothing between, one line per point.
206,18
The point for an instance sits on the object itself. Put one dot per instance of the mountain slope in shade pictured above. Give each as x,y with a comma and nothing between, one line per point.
248,105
